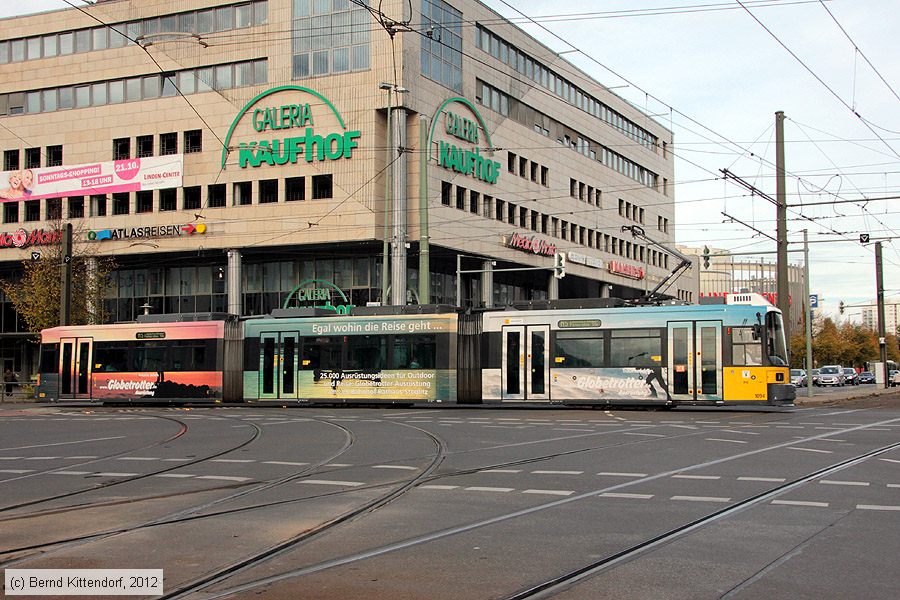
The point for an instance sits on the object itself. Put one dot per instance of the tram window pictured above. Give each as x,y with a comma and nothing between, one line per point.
321,354
635,348
111,357
414,352
746,347
150,357
579,349
251,354
49,358
367,352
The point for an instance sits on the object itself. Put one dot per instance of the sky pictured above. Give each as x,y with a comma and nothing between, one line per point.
715,72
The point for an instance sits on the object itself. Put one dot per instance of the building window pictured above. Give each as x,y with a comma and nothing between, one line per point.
54,156
98,206
168,143
144,146
192,197
460,198
511,162
32,210
168,199
268,191
121,203
330,37
322,187
446,193
32,158
54,209
10,160
10,212
144,202
294,189
474,201
121,148
215,195
442,50
243,193
76,207
193,141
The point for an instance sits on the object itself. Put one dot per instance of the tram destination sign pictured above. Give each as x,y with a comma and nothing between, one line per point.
150,335
580,324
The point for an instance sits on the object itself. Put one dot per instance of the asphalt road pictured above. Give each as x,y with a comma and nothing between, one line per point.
463,503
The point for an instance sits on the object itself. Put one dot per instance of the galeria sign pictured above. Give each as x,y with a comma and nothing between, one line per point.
299,139
462,159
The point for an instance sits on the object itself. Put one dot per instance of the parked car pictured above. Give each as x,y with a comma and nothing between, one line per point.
798,377
894,378
815,376
831,375
851,377
866,377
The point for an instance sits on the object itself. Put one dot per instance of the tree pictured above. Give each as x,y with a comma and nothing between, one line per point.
36,295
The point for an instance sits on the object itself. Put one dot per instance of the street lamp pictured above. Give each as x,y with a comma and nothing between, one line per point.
385,265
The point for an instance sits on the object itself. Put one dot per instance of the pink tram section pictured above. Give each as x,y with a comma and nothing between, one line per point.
138,362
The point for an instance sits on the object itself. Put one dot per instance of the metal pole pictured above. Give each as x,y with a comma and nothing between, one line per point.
879,292
388,166
399,210
424,247
459,279
807,317
65,300
781,197
233,282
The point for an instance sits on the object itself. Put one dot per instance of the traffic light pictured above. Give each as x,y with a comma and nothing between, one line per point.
559,265
705,257
841,307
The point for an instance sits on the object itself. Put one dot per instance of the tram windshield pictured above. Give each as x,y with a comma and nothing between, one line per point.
775,343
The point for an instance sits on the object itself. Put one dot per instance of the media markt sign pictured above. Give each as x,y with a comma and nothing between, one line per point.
461,122
288,124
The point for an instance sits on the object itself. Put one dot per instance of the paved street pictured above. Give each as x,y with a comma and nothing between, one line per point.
472,503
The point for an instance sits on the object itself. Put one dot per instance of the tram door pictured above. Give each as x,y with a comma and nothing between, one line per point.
278,365
525,372
75,370
695,360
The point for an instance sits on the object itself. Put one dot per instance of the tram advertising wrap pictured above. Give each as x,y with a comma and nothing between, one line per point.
352,359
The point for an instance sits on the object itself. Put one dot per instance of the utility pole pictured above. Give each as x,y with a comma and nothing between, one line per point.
807,317
781,229
65,301
879,294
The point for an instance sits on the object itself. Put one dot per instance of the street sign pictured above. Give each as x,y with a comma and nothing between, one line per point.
864,238
814,301
35,256
67,259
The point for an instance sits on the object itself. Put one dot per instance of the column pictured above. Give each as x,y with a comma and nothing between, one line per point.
234,282
398,210
487,283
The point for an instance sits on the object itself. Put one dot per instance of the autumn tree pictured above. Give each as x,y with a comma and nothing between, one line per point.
36,295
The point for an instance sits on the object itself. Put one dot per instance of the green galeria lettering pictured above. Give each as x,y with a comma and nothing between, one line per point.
468,162
282,117
462,128
311,147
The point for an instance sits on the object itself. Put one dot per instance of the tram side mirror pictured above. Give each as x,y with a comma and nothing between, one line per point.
757,332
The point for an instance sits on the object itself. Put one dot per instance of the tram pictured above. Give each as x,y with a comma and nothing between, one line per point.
591,352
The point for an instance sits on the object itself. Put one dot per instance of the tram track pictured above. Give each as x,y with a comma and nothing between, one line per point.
189,514
548,587
184,429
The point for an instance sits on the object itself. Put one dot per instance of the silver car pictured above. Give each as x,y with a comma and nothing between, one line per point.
831,375
798,377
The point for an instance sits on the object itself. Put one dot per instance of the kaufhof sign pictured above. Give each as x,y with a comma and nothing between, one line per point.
22,238
286,125
625,270
460,152
130,175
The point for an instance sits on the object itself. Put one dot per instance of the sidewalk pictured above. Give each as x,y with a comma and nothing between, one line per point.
850,392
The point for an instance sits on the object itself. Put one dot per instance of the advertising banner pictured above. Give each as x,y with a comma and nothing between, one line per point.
130,175
396,385
202,385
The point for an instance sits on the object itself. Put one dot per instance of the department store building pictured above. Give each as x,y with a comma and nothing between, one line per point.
239,157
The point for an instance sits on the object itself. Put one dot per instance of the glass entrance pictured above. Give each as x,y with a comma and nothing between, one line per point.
695,360
525,363
75,370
